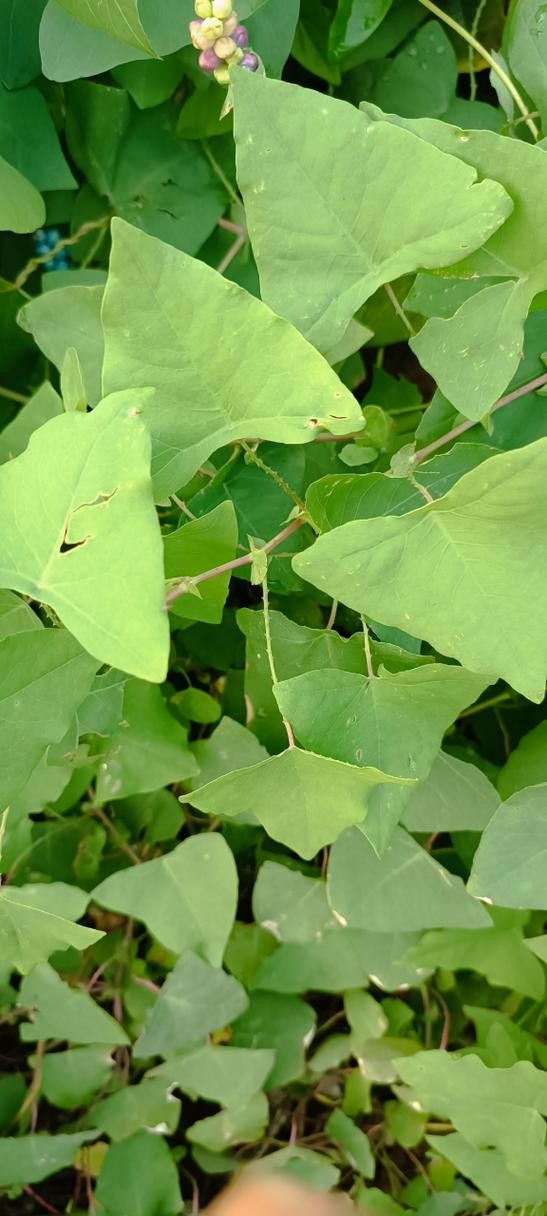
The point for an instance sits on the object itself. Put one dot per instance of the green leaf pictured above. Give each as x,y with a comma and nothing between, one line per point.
510,864
72,1078
482,614
58,1011
421,79
236,1125
43,405
139,1176
303,800
154,336
473,354
456,797
198,884
22,208
527,764
69,51
354,22
30,933
199,545
355,1145
227,1075
499,954
19,54
149,748
45,676
404,890
512,252
492,1107
195,1000
230,747
16,616
149,1106
29,141
102,710
69,317
117,18
320,193
28,1159
527,51
197,706
280,1023
296,648
394,722
288,904
489,1172
86,515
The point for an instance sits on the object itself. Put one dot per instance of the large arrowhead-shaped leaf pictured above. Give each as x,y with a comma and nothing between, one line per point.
395,722
302,800
403,890
90,513
502,955
510,866
149,748
527,51
198,885
474,354
195,1000
467,572
69,317
44,677
244,372
22,208
228,1075
58,1011
491,1107
29,933
117,18
456,797
322,194
139,1176
25,1159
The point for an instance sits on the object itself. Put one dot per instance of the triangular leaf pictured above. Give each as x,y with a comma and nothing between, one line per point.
275,387
510,865
320,186
405,889
88,514
302,800
484,613
58,1011
198,884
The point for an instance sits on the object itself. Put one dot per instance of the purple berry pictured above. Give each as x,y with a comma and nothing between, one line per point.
249,62
241,36
209,61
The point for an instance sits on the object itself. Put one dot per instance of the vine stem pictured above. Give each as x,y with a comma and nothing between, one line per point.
236,564
269,651
489,59
368,655
462,427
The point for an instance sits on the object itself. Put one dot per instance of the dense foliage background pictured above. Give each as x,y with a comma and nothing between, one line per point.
274,880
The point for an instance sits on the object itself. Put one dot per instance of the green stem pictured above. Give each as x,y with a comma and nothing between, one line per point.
252,457
474,31
399,309
269,651
220,173
11,395
368,655
489,59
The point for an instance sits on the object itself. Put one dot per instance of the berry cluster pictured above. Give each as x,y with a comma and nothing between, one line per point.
45,241
221,39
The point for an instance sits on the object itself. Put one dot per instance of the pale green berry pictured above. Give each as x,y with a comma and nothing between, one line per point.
212,27
236,57
224,47
203,8
222,8
222,75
